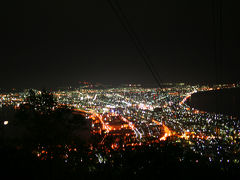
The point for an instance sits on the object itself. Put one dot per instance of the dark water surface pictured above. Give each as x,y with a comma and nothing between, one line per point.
224,101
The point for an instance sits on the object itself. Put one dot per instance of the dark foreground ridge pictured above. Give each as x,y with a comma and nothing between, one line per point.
148,162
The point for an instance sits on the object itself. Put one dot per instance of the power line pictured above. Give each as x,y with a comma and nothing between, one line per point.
133,36
217,43
217,35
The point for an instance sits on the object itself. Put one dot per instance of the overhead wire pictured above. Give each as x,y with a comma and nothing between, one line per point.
217,47
134,38
217,41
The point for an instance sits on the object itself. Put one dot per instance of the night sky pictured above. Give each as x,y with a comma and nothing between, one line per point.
52,44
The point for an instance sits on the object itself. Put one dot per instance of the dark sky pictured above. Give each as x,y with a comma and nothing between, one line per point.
50,44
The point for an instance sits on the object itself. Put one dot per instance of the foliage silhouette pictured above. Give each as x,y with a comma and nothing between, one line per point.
43,121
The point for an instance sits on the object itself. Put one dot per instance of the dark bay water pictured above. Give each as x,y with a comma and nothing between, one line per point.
224,101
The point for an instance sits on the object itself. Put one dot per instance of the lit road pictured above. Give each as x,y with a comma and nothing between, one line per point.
167,131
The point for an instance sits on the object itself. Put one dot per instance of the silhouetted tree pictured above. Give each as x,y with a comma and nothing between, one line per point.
42,101
43,122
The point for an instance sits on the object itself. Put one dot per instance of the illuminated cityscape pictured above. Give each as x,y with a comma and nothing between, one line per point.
119,90
133,117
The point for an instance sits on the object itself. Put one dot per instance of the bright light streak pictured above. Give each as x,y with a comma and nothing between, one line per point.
188,96
166,130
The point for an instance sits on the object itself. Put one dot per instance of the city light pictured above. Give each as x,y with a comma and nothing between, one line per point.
133,116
